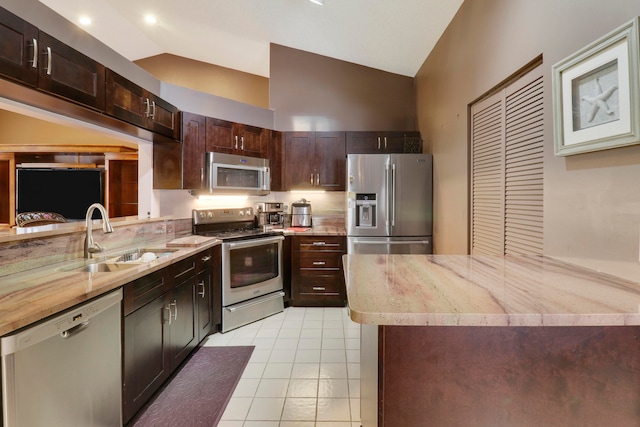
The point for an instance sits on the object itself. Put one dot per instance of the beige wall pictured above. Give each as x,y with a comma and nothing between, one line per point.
592,201
310,92
208,78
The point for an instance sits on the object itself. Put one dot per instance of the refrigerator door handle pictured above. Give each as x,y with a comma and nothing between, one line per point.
393,195
386,202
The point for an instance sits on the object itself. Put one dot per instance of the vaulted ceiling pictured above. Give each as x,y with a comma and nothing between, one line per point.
390,35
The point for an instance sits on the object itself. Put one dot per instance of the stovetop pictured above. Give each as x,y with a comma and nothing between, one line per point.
228,224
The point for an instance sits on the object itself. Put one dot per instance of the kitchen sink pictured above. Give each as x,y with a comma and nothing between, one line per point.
102,267
132,258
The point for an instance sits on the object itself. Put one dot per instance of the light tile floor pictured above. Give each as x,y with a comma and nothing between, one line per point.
304,370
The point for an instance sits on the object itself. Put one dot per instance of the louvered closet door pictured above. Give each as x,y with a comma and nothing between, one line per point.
487,164
507,169
523,166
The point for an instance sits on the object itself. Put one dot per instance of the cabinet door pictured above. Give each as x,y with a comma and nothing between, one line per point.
299,160
70,74
330,161
402,142
220,137
146,363
252,140
167,166
182,328
216,287
163,118
204,305
204,293
363,143
193,151
125,100
275,154
18,52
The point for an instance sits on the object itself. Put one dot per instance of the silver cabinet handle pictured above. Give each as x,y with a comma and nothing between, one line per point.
34,60
201,176
242,143
147,105
168,307
311,179
378,143
319,243
236,139
318,179
153,110
319,263
319,288
48,69
385,142
201,293
175,306
206,258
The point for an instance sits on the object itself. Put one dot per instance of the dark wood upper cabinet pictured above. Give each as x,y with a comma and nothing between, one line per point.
34,58
315,161
275,154
193,151
236,138
18,49
383,142
133,104
219,136
70,74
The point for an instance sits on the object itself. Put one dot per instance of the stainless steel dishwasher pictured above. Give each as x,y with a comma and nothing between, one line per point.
65,371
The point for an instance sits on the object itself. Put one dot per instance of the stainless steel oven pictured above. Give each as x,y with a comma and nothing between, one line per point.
252,286
252,277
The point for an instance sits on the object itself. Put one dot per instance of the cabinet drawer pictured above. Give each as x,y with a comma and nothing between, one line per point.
144,290
319,260
324,284
319,243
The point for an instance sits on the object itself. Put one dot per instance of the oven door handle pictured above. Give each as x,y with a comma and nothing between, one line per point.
258,300
254,242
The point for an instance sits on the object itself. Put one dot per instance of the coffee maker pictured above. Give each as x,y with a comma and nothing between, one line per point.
271,213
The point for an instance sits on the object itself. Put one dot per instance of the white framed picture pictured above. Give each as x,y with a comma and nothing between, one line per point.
596,94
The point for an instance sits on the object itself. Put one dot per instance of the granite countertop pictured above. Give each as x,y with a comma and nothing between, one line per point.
30,296
460,290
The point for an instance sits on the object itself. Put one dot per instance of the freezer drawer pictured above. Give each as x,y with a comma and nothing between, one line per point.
389,245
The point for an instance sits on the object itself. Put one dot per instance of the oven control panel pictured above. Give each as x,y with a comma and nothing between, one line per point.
210,216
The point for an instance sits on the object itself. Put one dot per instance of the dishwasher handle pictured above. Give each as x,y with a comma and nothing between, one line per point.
75,330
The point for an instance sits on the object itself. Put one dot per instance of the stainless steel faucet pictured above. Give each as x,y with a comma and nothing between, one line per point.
91,247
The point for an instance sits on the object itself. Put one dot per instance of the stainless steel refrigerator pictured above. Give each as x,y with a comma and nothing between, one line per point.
389,203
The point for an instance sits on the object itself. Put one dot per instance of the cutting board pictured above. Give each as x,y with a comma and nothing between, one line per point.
189,241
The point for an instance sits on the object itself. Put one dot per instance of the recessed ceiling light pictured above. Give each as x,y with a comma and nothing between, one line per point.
320,2
150,19
84,20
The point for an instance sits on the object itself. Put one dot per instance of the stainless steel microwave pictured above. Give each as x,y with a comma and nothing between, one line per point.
232,174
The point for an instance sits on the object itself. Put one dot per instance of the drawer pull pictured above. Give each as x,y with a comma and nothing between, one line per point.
319,263
319,243
319,288
206,258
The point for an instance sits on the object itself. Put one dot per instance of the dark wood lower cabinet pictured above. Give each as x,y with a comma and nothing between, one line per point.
317,277
166,314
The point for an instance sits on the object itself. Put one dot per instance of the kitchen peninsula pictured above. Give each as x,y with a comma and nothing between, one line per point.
494,341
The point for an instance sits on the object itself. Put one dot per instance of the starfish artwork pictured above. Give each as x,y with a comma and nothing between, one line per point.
599,100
